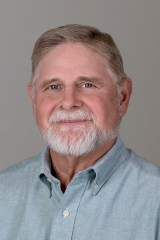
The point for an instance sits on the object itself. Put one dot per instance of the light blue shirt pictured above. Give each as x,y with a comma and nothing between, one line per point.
116,199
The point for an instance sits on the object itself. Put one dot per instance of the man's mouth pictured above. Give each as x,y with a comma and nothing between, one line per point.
72,121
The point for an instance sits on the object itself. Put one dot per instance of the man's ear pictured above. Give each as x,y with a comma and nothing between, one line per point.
31,97
124,95
30,92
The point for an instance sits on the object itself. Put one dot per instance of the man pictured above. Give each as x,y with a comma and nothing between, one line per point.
85,184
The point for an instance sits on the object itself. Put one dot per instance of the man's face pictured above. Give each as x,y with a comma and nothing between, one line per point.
74,80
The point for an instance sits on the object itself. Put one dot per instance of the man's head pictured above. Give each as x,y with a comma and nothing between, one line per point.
74,89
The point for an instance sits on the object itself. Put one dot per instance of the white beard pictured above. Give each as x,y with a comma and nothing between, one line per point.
78,140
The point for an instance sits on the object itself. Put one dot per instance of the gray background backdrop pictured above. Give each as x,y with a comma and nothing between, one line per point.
135,27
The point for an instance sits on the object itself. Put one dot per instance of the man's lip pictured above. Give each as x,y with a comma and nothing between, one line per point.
72,121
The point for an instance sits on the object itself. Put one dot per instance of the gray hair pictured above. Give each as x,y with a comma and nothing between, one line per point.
86,35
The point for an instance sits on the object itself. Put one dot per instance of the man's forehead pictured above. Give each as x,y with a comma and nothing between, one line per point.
72,61
69,47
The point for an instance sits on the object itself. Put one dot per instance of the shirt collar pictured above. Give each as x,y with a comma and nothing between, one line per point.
103,168
45,162
108,164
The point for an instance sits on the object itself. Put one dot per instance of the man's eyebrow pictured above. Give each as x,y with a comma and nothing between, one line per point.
90,79
48,82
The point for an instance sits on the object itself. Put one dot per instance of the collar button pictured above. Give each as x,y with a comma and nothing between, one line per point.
49,180
95,186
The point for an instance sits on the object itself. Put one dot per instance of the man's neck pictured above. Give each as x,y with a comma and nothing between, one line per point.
66,166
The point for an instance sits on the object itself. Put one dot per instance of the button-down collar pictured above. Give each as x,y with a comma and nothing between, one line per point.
102,169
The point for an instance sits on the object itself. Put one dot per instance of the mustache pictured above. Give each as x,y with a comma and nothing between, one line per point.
63,115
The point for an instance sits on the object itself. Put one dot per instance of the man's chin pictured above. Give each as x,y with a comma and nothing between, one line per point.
70,137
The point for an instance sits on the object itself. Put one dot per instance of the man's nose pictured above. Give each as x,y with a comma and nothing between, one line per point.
70,99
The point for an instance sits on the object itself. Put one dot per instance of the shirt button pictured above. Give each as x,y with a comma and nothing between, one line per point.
66,213
49,180
95,186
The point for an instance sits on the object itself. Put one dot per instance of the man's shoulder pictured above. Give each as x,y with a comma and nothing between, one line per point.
142,166
22,168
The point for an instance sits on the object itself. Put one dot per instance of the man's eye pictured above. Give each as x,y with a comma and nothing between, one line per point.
87,85
53,87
